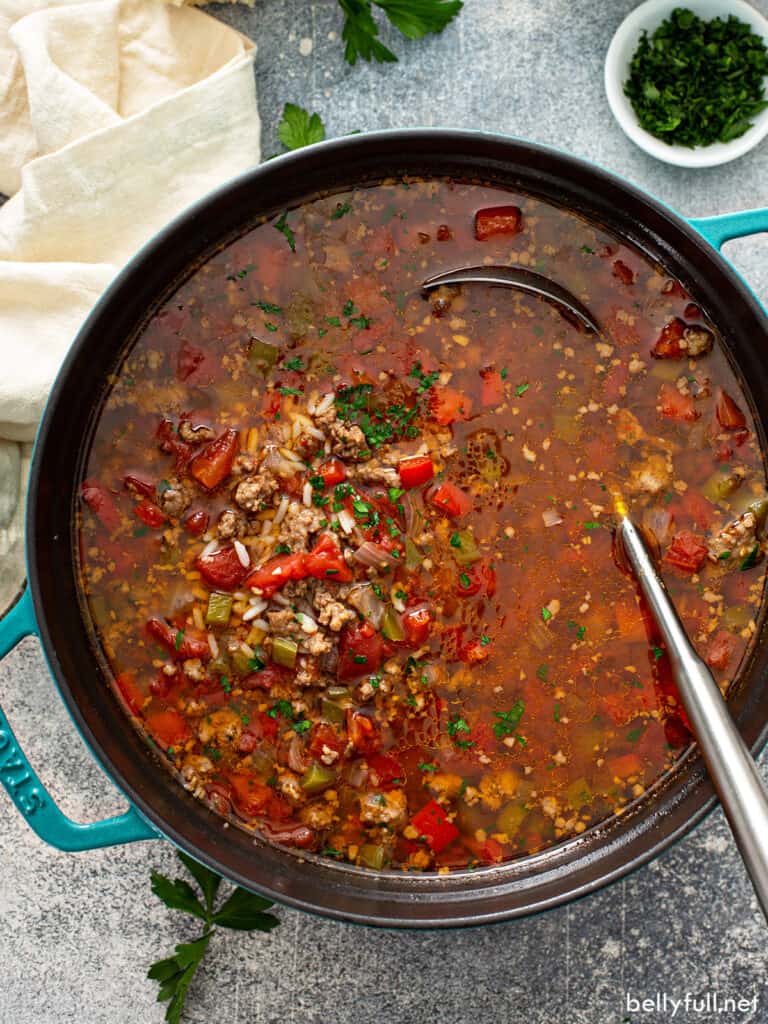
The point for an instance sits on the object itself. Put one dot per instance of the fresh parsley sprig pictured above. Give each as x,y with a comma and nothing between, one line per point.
242,911
414,18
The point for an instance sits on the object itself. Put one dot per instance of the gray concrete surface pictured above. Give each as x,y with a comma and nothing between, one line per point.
77,932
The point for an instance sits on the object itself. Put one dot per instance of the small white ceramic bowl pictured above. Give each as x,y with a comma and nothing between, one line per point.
649,16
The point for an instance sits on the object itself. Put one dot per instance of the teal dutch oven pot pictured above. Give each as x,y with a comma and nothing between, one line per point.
51,609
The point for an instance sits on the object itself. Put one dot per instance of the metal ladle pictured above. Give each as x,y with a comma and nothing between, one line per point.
729,762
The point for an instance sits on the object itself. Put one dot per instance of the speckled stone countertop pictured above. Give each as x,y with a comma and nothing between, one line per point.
77,932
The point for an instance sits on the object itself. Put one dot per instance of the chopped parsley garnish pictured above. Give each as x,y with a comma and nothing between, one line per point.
281,707
485,640
362,322
588,250
288,391
591,525
295,364
179,640
281,225
457,724
302,726
360,659
455,541
658,653
282,549
341,210
546,614
424,767
634,734
349,308
268,307
543,673
465,581
521,389
508,721
556,712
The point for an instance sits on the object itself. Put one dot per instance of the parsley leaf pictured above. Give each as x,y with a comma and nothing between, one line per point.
299,128
508,721
281,225
414,18
242,911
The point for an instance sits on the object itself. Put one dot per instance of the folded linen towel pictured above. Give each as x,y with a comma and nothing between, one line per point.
114,116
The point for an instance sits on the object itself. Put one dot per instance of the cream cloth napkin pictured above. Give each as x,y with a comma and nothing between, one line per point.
114,116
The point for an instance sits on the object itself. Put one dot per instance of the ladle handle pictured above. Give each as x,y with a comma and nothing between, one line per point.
731,766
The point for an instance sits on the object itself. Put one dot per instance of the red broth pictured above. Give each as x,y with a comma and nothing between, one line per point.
349,553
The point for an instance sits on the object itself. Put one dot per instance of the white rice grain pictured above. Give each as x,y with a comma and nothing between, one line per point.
324,404
213,646
241,551
282,508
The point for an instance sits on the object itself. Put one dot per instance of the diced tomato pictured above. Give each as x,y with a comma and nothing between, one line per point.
222,569
498,220
362,732
275,573
101,503
324,737
260,727
687,552
149,513
447,405
179,643
696,506
720,649
196,522
417,623
476,579
492,387
692,312
326,562
675,406
188,360
249,796
213,463
676,729
140,485
415,470
131,691
360,651
265,678
333,472
625,765
729,415
624,273
474,652
667,344
450,500
386,770
432,824
167,727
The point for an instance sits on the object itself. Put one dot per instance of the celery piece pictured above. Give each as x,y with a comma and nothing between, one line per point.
391,626
465,550
316,778
372,856
219,609
284,651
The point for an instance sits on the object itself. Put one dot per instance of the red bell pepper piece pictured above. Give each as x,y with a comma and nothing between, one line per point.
667,344
720,649
131,691
416,624
140,485
222,569
196,522
167,727
432,824
325,561
360,651
213,463
687,552
447,405
386,770
450,500
675,406
498,220
729,415
362,733
415,470
179,643
275,573
333,472
149,513
324,738
101,503
249,796
492,387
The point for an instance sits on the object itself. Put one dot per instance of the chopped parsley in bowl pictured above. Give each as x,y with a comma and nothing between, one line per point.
687,84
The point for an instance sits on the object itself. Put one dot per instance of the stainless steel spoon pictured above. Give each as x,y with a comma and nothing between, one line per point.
729,762
523,280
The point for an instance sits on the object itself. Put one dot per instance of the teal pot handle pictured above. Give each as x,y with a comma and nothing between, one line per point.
721,229
25,788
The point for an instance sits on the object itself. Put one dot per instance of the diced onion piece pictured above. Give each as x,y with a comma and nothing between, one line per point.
213,646
374,555
551,517
251,613
367,602
346,520
258,603
324,404
307,623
